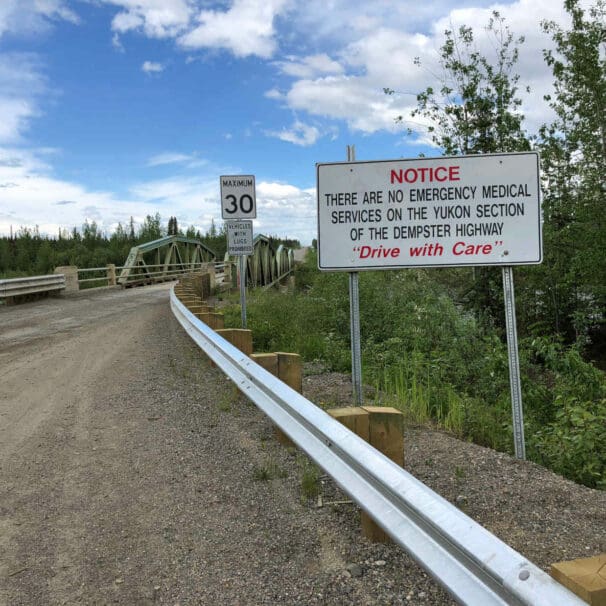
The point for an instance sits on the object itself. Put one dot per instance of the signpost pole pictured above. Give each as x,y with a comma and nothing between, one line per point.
243,289
354,319
514,364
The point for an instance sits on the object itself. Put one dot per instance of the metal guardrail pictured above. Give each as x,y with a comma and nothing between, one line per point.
473,565
17,287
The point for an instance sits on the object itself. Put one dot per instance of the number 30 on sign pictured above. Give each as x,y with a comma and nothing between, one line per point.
238,199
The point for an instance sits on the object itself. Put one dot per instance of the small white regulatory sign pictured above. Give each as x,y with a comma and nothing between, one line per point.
448,211
238,197
239,237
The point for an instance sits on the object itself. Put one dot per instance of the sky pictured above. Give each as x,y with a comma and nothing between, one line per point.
111,109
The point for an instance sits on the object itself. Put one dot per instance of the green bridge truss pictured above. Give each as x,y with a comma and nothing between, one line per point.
267,264
172,256
165,257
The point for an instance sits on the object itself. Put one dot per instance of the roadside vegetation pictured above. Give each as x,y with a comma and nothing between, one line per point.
441,364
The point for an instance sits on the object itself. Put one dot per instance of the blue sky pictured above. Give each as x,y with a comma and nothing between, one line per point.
119,108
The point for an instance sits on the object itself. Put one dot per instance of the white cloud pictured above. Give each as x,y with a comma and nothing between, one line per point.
299,134
14,117
379,50
20,85
155,18
151,67
274,93
32,16
177,159
246,28
34,197
309,67
286,211
350,98
169,158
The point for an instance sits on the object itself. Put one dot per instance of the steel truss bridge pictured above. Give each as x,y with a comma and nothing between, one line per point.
171,256
267,265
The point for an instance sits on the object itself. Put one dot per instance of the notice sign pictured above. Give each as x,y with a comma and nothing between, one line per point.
448,211
239,238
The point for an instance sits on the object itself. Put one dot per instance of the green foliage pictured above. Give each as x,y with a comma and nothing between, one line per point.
268,470
574,444
438,363
574,164
310,478
476,108
28,253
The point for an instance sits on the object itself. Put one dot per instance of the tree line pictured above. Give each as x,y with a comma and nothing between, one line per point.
30,253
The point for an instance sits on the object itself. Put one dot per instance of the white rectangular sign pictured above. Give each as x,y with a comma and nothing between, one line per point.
448,211
238,197
239,238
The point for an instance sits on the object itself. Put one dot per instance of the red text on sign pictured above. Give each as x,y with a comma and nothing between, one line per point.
461,248
371,252
425,174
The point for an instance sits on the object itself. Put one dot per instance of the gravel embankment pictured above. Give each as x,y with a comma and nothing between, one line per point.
152,481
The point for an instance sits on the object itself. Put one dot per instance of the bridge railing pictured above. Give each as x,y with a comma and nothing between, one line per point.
473,565
106,276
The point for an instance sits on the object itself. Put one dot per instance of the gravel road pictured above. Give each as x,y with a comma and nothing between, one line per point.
132,472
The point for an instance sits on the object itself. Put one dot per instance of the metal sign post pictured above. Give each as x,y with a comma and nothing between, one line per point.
240,243
243,289
517,411
354,319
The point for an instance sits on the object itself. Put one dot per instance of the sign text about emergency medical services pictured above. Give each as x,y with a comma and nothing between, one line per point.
483,209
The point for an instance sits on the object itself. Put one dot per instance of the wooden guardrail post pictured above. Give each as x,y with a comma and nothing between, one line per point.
355,418
386,434
387,431
289,369
586,577
383,428
201,308
215,320
238,337
268,361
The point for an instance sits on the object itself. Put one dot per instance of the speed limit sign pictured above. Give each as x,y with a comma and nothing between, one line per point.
238,200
